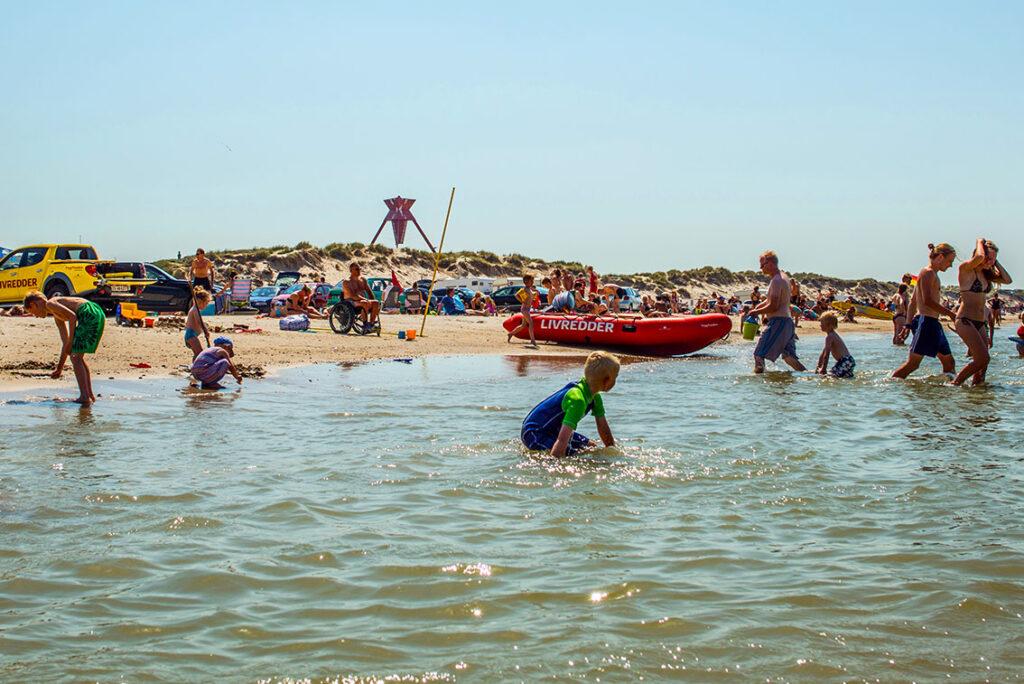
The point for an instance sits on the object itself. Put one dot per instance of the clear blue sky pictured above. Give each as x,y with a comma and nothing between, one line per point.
636,136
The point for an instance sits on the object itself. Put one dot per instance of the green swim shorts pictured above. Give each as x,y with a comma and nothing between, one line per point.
89,329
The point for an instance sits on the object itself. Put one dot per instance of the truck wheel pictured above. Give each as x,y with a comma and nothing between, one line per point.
56,289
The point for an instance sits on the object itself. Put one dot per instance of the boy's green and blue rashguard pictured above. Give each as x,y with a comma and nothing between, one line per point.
567,406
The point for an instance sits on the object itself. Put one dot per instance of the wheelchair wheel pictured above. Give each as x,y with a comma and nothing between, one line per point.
342,316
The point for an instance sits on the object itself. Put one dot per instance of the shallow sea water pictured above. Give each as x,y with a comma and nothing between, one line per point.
382,521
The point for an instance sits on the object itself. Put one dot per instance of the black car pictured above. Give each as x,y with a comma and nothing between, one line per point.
505,297
167,295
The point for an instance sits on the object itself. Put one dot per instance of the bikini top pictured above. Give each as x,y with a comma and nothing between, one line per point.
977,287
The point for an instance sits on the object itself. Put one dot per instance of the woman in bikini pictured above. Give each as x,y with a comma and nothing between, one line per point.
900,301
977,276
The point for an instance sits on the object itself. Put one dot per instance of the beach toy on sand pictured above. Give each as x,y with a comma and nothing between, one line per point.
401,334
410,335
750,330
149,322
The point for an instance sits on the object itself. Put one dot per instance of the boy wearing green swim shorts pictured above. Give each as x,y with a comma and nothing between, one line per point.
80,323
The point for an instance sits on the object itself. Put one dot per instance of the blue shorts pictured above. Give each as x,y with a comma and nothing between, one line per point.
929,337
777,339
536,440
843,368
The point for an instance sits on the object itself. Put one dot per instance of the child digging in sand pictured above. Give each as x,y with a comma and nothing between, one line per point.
551,425
80,323
214,363
835,346
194,326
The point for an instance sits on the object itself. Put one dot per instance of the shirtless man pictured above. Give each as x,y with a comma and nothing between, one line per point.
779,335
201,271
929,337
357,291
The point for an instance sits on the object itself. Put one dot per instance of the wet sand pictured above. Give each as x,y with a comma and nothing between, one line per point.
29,346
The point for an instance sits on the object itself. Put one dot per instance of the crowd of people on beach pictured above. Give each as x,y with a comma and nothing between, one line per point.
917,309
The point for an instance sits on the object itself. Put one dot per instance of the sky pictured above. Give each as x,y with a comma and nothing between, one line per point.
633,136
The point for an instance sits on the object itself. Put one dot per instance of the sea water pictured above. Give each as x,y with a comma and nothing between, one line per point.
382,521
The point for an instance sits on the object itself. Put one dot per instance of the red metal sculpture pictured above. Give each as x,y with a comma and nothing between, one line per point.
399,215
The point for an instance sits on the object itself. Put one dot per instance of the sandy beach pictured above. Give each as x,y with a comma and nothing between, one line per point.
29,346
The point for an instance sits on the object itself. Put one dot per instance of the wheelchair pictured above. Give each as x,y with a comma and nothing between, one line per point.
344,317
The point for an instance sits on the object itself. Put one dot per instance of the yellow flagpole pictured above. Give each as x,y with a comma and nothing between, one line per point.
437,262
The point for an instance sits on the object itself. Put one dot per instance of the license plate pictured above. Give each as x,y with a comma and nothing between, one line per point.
121,289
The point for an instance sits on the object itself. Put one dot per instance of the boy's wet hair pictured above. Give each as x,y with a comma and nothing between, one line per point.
34,296
600,364
829,320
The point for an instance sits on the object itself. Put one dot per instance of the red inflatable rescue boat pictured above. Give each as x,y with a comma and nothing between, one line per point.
647,336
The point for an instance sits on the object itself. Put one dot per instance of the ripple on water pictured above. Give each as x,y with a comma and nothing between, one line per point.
743,528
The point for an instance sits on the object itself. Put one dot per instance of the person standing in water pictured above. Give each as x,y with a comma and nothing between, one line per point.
779,335
900,302
929,337
977,276
80,323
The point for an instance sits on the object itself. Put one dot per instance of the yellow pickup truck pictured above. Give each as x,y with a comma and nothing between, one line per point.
69,270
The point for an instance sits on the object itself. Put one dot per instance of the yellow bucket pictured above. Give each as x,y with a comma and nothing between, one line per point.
750,330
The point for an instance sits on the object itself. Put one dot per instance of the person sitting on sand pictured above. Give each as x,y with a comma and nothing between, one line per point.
551,425
451,304
212,364
301,302
413,301
835,346
357,291
584,305
929,337
529,299
779,335
80,323
194,325
755,295
563,302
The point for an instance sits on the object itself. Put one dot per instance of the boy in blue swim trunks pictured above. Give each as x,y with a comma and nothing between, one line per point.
551,425
929,337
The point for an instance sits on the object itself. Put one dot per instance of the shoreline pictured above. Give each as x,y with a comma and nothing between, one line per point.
29,346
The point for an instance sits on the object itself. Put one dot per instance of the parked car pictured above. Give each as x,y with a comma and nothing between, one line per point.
261,296
321,293
65,269
505,297
631,302
167,294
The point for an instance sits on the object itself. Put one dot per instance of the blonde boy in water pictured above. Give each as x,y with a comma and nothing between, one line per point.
551,425
835,347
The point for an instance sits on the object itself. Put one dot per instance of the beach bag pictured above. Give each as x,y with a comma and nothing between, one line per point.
297,322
